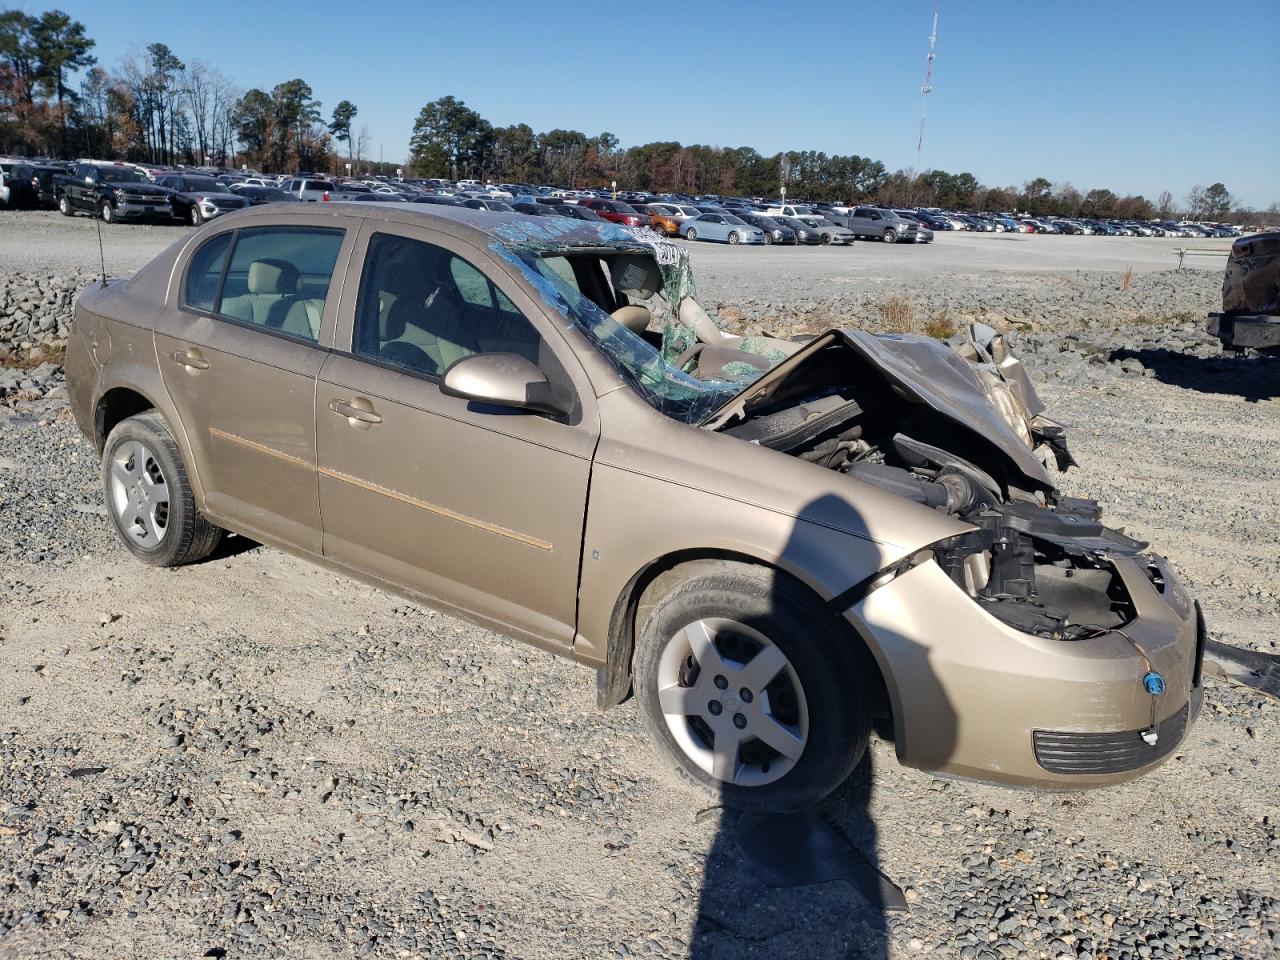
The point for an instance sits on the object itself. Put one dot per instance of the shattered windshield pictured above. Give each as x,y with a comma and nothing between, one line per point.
666,387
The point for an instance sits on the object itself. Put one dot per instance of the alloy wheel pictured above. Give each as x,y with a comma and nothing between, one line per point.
139,493
733,702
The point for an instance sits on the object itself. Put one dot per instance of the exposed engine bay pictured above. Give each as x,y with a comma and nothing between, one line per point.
1036,560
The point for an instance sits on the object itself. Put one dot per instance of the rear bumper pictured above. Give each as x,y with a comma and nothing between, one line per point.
974,697
1259,331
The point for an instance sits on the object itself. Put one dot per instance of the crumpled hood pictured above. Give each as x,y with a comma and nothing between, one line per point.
924,371
932,373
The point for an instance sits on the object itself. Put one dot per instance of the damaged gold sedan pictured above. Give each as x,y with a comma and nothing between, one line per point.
532,422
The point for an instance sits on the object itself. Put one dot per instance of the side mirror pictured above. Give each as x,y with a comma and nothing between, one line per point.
502,379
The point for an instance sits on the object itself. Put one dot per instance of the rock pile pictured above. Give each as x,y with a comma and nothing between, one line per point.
36,309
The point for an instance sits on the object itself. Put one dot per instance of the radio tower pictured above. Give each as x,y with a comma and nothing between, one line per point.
926,88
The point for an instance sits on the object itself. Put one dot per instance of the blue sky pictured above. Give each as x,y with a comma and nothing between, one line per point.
1135,95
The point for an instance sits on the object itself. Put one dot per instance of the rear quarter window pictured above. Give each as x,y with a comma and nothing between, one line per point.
205,273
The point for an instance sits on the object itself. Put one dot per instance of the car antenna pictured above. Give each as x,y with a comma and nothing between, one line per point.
102,257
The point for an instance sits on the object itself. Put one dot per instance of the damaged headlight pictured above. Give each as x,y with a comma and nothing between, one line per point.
1043,571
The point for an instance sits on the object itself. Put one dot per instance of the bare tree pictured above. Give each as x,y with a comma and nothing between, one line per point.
1195,202
1164,204
359,144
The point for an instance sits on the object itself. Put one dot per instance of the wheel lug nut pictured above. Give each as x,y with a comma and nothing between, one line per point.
739,721
745,694
715,706
721,682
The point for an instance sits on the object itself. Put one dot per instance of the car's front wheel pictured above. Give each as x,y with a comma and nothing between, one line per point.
768,237
748,686
195,216
64,206
826,239
691,234
149,497
734,238
108,212
891,236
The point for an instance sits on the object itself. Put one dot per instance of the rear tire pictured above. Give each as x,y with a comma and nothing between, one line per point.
149,496
691,234
706,627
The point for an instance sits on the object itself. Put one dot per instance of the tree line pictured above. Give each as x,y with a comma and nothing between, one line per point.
156,108
453,141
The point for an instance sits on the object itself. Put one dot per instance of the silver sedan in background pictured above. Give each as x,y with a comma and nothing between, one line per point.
721,226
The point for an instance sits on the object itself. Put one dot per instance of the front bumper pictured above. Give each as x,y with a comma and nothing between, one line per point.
1236,331
974,697
139,210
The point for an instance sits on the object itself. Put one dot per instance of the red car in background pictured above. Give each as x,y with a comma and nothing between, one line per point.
615,211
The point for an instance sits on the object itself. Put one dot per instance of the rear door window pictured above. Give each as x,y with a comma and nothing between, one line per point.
276,278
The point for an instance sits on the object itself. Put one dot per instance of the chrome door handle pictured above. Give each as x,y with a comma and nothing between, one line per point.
359,412
191,360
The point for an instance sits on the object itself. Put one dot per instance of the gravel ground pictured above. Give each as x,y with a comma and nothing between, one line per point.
253,757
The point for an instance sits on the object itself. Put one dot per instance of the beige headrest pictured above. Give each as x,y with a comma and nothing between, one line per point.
273,276
636,275
634,318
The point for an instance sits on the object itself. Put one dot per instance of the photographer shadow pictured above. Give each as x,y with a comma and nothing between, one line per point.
809,883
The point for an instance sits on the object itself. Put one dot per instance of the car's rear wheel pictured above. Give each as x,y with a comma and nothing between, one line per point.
891,236
748,687
108,213
734,238
691,234
64,206
149,497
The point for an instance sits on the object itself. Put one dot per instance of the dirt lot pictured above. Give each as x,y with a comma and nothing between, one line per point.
253,757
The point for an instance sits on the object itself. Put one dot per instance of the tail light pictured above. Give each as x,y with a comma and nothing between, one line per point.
326,196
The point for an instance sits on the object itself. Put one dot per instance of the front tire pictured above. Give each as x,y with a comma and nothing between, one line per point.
891,236
108,213
748,686
64,206
195,216
149,496
733,238
826,240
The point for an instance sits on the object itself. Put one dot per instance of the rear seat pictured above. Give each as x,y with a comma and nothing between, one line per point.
269,283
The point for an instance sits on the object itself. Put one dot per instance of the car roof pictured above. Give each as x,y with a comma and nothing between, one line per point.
482,227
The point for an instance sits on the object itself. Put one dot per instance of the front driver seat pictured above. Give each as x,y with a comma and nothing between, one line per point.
637,277
395,349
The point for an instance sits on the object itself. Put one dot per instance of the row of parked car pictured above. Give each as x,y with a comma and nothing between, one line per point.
124,191
1081,226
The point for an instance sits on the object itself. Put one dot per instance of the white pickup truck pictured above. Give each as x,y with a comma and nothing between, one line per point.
792,210
316,190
